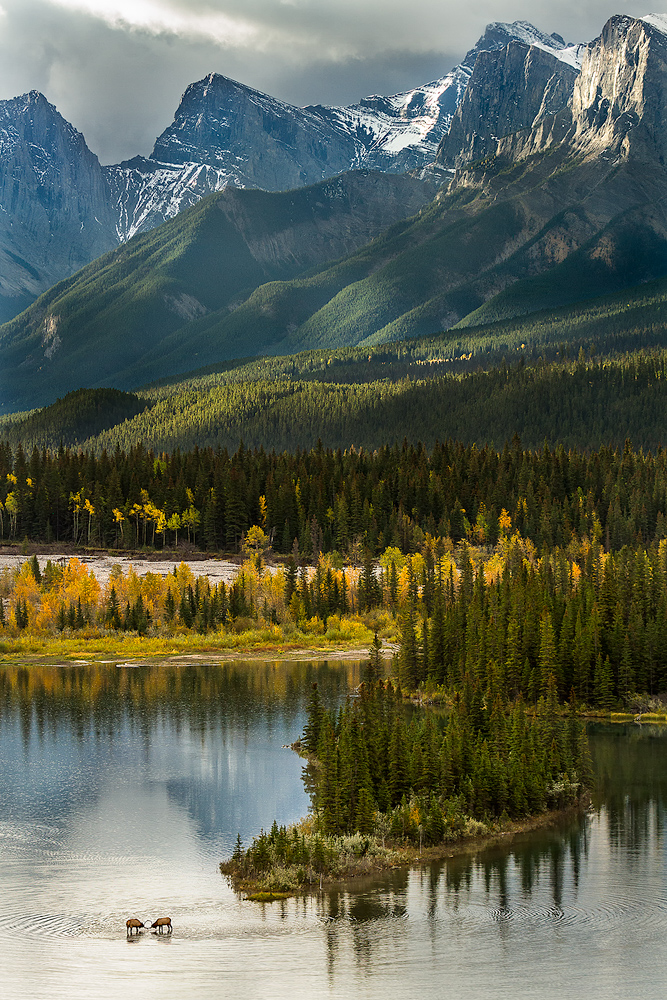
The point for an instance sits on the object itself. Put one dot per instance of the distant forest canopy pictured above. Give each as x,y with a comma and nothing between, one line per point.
583,376
383,398
333,500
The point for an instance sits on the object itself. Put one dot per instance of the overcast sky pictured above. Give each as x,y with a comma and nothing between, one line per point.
116,68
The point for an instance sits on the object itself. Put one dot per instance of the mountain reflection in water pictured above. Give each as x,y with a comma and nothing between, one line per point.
121,789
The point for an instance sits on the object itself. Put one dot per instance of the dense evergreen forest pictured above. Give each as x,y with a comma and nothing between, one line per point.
578,404
504,566
333,500
492,758
582,376
375,775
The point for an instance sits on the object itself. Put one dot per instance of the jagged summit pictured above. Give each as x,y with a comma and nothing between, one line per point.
55,210
567,186
220,120
512,88
499,34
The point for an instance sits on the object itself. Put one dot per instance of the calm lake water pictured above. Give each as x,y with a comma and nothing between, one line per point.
121,790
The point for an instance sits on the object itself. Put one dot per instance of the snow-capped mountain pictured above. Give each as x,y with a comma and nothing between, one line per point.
60,209
227,133
55,211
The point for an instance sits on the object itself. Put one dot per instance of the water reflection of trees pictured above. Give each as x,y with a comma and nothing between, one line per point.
98,698
631,783
630,789
357,917
208,731
548,859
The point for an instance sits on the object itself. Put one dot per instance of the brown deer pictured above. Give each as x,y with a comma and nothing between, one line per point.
133,924
162,922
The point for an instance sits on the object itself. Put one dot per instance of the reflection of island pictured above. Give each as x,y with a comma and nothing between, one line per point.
631,782
544,879
210,735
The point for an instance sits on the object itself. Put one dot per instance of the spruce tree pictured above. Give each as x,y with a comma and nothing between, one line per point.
313,728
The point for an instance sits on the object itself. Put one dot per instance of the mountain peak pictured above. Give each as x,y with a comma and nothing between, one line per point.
658,21
498,34
619,99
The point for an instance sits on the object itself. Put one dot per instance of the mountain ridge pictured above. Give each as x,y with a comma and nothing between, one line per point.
254,141
130,301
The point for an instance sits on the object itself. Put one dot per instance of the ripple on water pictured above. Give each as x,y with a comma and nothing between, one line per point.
616,909
41,924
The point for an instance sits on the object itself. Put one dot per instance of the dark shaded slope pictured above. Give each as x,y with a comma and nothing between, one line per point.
81,414
110,323
546,232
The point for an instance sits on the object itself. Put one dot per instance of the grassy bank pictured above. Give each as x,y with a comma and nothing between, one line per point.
297,861
344,636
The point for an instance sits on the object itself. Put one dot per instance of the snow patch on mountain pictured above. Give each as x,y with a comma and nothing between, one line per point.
148,193
571,53
658,21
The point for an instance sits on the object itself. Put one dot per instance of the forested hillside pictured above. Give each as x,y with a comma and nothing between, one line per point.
578,404
128,317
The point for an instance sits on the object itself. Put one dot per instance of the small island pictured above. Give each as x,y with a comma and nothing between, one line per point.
389,790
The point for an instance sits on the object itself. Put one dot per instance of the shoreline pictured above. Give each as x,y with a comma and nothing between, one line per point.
206,652
412,857
202,653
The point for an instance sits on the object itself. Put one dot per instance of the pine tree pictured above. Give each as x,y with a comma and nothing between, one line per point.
34,566
290,580
169,606
313,728
112,616
374,666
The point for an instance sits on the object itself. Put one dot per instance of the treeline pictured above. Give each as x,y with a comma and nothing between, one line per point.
69,598
595,623
330,499
333,500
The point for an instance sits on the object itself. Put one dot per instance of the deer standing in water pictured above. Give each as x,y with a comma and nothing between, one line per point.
162,922
133,924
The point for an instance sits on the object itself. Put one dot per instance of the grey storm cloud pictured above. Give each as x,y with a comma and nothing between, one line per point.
117,68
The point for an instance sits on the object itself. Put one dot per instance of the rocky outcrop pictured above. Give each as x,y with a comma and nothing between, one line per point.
619,103
259,141
55,212
328,220
514,89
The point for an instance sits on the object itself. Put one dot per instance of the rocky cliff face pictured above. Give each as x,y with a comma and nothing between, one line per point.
55,212
616,109
144,193
327,221
512,89
619,103
257,140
